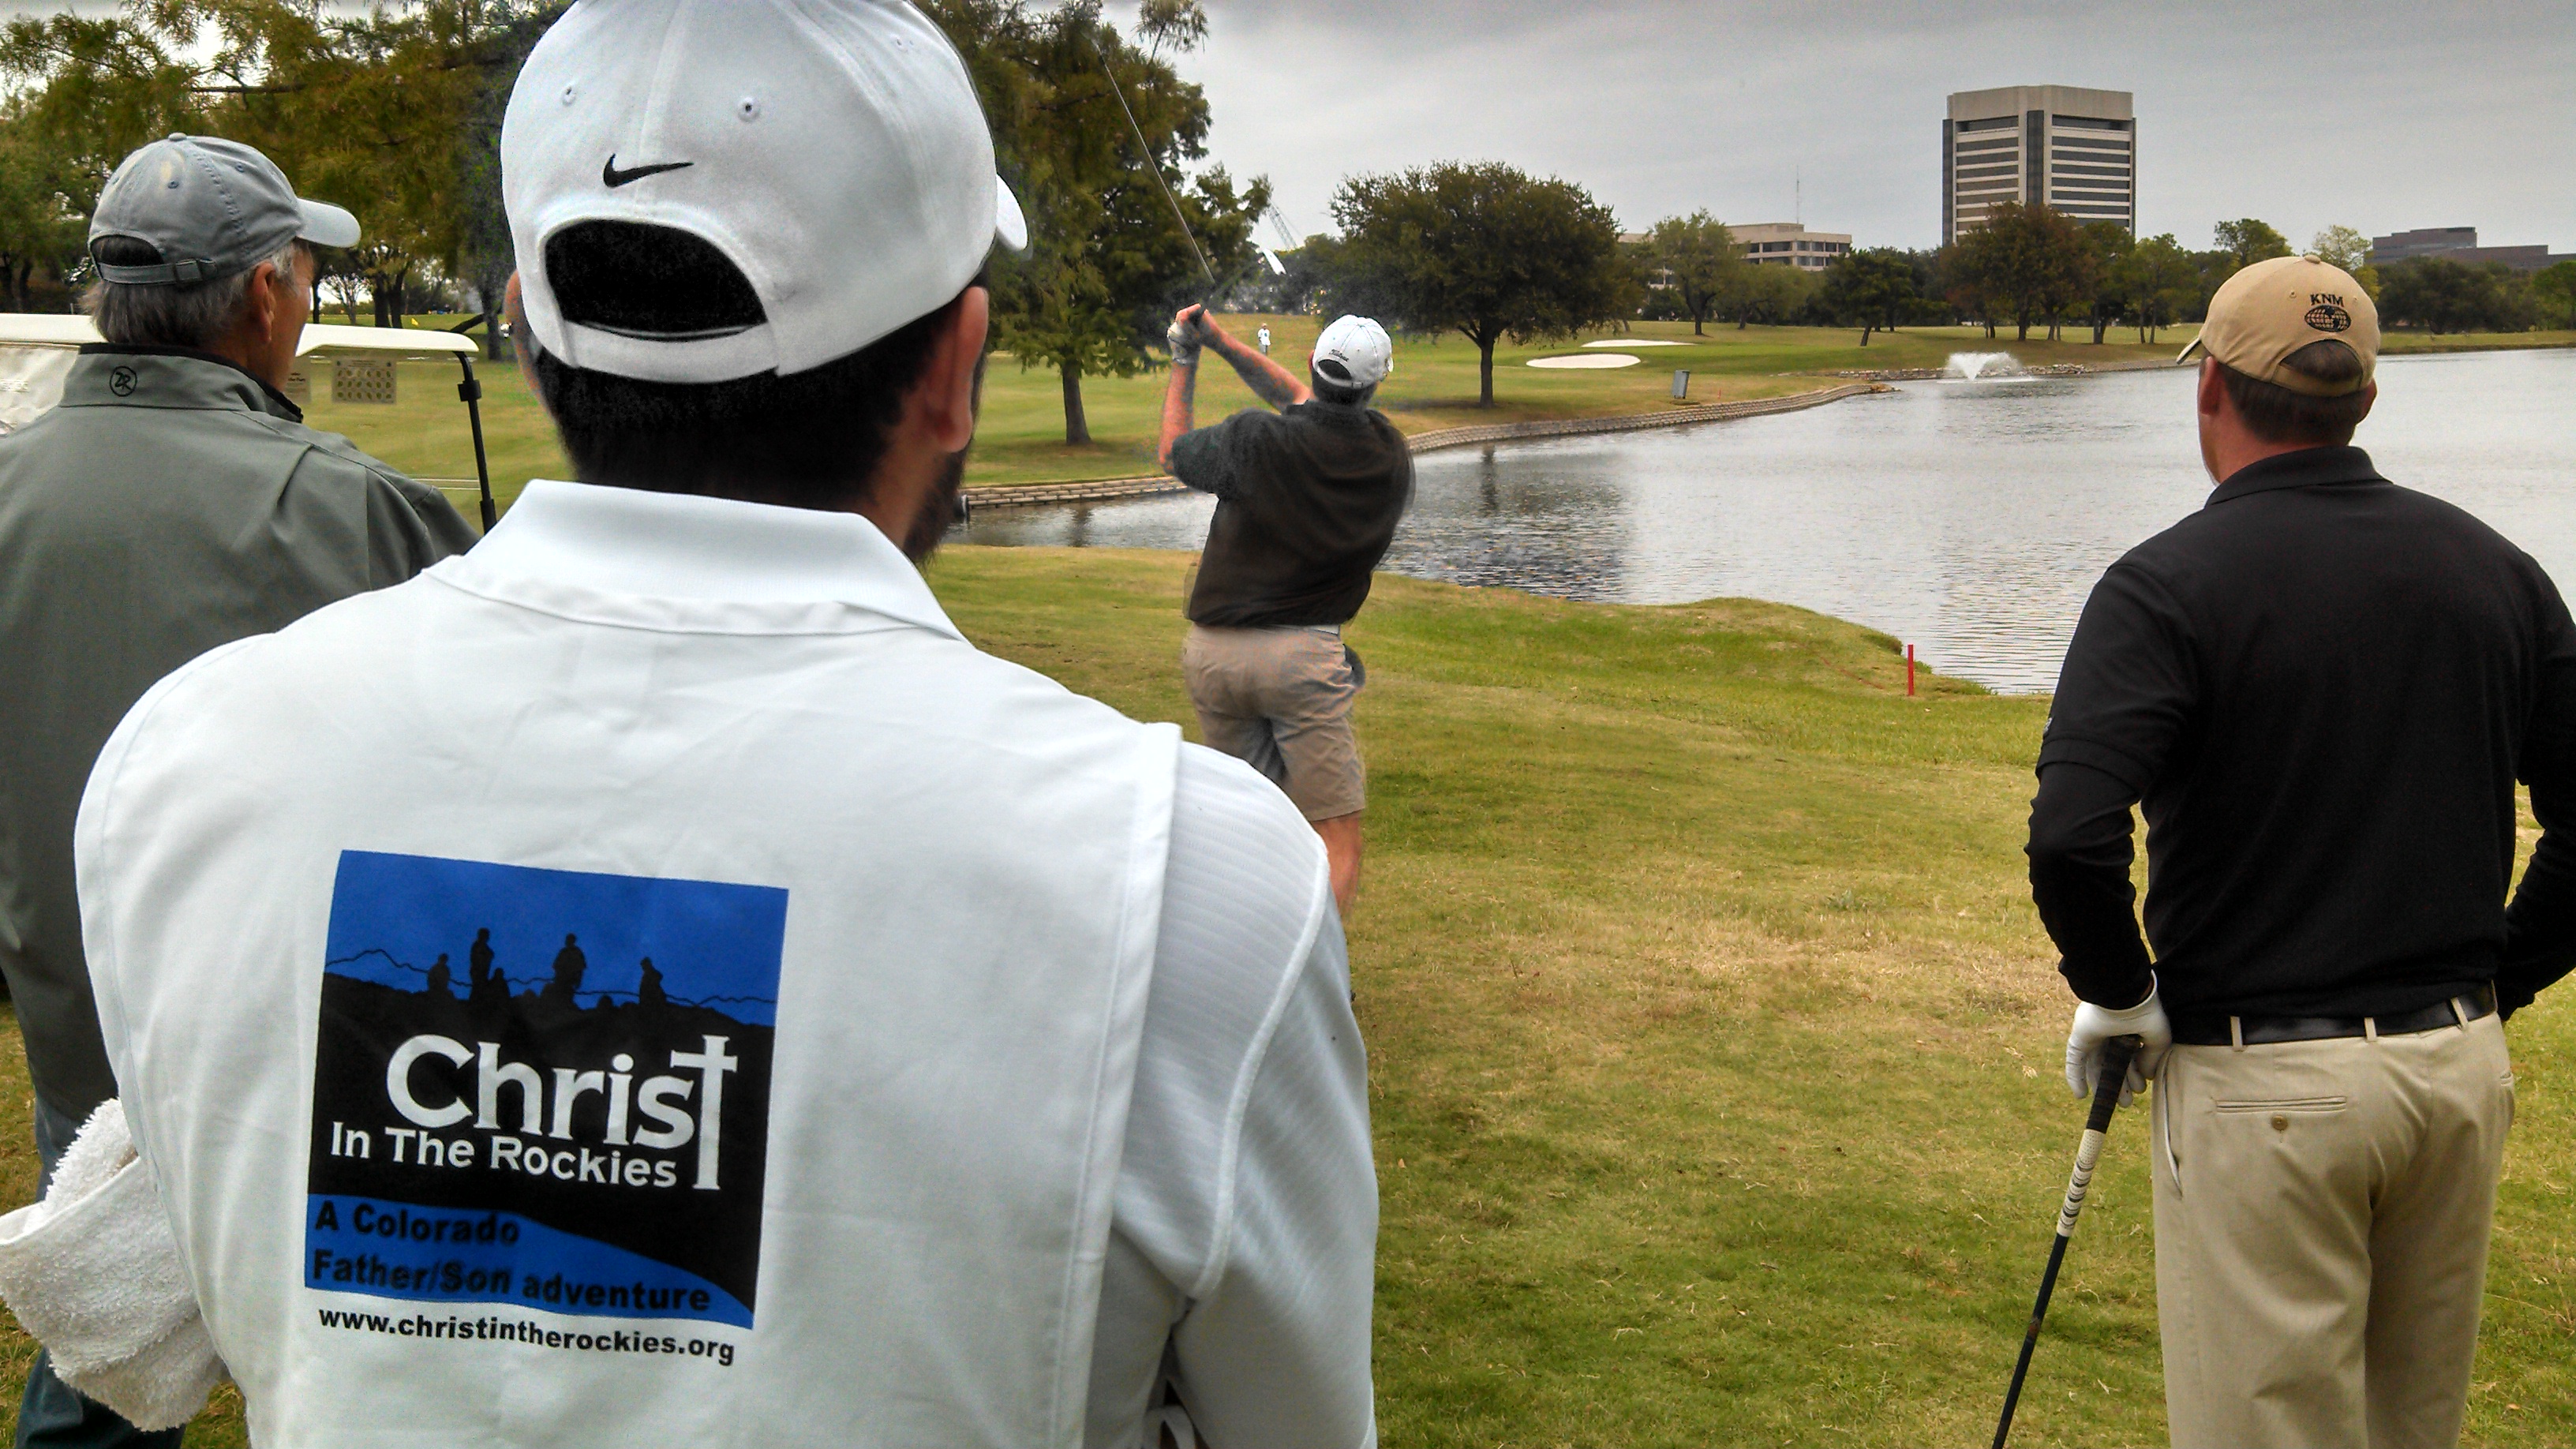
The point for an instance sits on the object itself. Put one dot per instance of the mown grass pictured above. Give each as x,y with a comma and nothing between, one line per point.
1713,1040
1021,438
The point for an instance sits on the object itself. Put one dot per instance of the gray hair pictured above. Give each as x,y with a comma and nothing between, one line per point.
178,314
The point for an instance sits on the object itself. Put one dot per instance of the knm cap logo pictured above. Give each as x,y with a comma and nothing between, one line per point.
2328,314
574,1122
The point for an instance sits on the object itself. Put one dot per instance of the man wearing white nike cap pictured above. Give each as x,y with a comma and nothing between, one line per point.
1307,504
870,1041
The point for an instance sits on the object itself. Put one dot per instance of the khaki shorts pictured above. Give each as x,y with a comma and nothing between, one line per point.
1280,701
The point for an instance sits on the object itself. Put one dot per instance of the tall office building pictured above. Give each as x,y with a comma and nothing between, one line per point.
2072,148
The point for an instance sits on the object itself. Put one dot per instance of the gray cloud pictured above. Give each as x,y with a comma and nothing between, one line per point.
2378,116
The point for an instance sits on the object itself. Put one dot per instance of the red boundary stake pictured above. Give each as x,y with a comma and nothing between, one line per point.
1909,671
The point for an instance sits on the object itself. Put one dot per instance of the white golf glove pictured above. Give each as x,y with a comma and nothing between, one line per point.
2095,1025
1185,338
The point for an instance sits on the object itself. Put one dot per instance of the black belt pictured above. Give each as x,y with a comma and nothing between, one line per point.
2196,1030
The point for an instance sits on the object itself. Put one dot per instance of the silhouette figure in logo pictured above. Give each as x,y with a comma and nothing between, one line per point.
486,989
569,966
438,978
649,992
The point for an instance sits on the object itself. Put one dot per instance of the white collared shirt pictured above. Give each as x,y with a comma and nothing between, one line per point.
1241,1214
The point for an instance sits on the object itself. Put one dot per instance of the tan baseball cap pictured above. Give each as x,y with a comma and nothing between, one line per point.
2273,308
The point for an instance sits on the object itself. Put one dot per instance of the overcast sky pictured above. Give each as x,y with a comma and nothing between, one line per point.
2376,115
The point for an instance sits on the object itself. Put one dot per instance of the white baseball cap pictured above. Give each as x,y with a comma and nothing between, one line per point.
832,151
1358,348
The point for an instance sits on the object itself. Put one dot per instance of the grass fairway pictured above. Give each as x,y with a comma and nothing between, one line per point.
1021,438
1714,1044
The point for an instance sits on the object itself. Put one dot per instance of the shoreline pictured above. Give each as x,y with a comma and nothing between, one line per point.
1031,495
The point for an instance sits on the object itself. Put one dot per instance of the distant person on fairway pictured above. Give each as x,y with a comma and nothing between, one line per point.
2323,688
173,503
1006,1090
1307,502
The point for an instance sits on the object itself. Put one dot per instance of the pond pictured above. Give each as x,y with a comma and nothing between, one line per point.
1968,516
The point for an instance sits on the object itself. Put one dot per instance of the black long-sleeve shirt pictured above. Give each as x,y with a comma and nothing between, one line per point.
2322,688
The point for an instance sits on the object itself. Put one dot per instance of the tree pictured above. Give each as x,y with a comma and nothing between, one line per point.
2341,246
2439,294
1701,261
1771,294
37,227
1964,280
2026,261
1107,264
2554,289
1485,249
1304,271
2105,244
486,254
2158,281
1874,288
372,111
2247,241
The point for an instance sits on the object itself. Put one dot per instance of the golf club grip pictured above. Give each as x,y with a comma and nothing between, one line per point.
2117,1053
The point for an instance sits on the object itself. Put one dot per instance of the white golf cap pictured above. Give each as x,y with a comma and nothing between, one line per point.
1358,348
832,151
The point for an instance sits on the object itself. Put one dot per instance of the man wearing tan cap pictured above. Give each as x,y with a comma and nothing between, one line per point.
2322,687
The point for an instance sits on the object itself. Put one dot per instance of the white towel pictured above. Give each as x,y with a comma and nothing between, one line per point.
93,1272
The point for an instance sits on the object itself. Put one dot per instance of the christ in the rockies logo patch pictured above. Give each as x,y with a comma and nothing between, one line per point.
544,1088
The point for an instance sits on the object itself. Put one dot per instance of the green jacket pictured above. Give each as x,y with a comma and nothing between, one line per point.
171,504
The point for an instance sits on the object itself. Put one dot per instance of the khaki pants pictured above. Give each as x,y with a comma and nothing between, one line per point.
2322,1211
1280,701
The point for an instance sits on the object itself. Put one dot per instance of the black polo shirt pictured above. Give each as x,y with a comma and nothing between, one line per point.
2322,687
1307,503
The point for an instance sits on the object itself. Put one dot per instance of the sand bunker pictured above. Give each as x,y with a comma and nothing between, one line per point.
1588,359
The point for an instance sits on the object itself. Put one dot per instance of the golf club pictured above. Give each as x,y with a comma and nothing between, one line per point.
2116,1055
1261,255
1148,148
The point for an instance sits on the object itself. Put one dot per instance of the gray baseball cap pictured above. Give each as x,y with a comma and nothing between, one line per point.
211,207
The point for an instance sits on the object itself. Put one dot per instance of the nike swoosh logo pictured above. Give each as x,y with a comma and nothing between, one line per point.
613,178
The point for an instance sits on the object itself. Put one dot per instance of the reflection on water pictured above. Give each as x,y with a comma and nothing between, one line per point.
1969,517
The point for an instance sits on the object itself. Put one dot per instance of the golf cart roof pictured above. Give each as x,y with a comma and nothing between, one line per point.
50,329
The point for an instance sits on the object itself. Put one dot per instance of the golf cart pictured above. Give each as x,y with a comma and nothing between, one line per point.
36,352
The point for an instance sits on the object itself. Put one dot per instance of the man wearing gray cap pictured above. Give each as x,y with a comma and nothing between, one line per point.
174,502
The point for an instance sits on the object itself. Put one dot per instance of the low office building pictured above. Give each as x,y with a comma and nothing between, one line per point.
2061,146
2458,244
1789,243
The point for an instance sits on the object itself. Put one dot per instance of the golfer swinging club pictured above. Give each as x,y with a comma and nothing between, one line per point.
1307,502
2323,688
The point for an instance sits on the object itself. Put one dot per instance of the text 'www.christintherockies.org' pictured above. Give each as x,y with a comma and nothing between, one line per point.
492,1329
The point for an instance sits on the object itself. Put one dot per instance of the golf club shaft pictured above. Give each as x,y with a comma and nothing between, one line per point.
2116,1056
1209,301
1150,164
